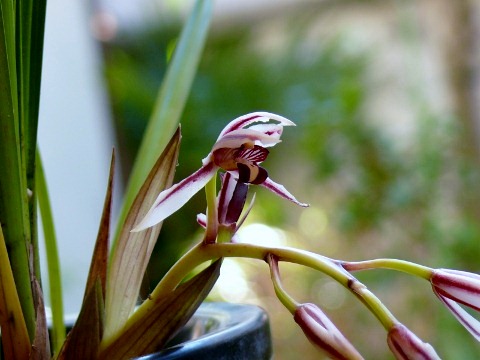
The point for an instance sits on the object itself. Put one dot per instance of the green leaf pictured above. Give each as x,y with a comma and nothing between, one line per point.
171,99
130,258
148,331
14,214
53,261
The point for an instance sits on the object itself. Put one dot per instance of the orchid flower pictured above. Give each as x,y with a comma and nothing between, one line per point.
405,345
240,148
453,287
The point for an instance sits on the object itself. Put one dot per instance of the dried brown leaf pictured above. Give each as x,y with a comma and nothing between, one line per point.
148,331
132,251
98,266
41,343
84,339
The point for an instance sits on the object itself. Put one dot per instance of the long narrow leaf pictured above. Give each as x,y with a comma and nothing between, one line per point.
130,258
150,330
171,99
53,261
13,189
98,267
41,343
83,341
15,340
37,29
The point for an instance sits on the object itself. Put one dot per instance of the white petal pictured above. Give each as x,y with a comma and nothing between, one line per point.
248,119
175,197
237,138
281,191
273,131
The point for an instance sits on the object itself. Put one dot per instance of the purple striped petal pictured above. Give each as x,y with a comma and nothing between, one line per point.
467,320
281,191
251,118
175,197
460,286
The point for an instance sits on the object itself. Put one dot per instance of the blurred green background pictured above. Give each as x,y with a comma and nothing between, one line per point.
385,151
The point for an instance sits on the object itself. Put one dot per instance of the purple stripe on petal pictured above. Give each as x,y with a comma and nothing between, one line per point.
460,286
225,195
467,320
175,197
281,191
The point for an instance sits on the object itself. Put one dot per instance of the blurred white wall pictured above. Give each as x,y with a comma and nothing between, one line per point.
75,138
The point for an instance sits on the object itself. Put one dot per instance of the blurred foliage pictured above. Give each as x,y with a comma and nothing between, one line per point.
378,198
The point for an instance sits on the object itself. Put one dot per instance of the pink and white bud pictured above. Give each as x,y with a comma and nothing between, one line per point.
455,287
460,286
323,334
405,345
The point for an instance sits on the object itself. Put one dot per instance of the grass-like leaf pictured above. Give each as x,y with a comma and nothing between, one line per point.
148,331
15,340
13,190
171,99
53,261
130,258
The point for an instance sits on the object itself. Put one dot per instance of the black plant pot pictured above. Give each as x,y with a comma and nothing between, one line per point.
221,331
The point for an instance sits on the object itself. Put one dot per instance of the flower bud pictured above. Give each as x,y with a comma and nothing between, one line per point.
454,287
460,286
405,345
323,334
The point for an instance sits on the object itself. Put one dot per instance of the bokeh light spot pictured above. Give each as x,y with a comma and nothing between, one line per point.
260,234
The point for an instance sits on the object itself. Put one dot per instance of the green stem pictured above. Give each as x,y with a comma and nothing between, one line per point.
282,295
53,262
392,264
205,252
212,212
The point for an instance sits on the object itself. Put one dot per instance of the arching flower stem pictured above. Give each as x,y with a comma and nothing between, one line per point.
392,264
202,253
